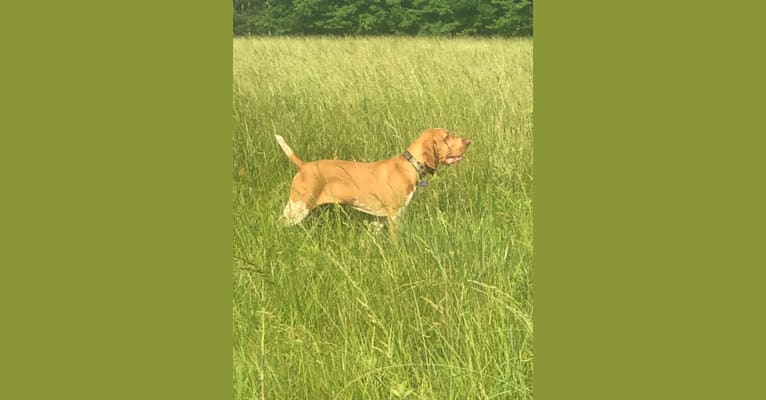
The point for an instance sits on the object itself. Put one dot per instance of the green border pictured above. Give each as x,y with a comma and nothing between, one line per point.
648,201
117,200
648,210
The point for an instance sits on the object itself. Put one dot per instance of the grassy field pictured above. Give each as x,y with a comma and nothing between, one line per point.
333,309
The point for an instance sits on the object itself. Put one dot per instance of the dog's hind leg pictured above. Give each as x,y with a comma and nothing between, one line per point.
294,212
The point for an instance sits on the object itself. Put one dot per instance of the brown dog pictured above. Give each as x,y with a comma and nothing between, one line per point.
382,188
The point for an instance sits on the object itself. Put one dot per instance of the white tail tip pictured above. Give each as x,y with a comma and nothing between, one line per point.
284,145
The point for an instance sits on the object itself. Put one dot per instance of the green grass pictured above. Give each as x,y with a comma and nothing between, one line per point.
332,308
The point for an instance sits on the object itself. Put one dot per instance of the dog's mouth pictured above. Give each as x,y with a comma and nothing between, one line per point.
453,160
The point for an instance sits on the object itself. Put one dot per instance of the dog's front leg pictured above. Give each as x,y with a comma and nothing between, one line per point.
393,226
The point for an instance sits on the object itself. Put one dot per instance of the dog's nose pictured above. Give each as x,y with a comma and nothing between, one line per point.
467,141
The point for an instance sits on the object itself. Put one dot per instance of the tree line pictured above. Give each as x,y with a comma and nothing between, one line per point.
383,17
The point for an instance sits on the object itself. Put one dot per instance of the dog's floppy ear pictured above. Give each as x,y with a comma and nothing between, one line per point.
430,153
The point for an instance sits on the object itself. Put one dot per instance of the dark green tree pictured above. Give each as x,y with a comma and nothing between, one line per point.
383,17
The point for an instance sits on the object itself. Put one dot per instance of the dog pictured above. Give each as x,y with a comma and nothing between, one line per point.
381,188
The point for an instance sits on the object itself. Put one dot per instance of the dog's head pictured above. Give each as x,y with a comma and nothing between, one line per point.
436,145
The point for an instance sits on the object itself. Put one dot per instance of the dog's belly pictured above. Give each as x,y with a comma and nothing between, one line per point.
357,205
379,209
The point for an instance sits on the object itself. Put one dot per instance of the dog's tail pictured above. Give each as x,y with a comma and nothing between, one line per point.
289,152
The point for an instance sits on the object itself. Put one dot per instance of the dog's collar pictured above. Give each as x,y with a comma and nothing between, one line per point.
422,169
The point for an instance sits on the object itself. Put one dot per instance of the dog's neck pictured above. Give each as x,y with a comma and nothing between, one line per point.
422,169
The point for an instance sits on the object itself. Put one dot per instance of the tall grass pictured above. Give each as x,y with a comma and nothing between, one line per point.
334,309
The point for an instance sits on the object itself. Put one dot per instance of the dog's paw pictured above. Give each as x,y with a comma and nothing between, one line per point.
375,226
